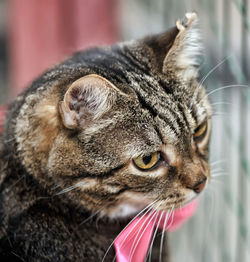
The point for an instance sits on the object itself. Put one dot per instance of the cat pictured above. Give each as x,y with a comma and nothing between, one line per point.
96,139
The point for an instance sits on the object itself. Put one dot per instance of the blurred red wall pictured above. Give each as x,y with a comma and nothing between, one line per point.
43,33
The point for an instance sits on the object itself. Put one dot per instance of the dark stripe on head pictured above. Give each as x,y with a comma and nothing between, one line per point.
154,113
167,87
159,134
181,109
194,113
129,61
144,66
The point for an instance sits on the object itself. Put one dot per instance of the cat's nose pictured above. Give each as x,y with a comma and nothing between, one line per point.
198,187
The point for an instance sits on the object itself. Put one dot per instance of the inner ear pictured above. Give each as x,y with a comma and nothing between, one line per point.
186,48
160,44
86,100
177,50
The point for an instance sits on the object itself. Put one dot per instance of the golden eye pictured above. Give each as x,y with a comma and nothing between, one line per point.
148,161
200,131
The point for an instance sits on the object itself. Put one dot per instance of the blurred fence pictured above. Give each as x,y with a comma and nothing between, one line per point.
220,231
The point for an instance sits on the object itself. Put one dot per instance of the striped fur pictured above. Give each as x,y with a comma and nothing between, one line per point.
146,99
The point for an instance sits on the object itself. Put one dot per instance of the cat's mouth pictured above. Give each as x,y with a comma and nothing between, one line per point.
133,204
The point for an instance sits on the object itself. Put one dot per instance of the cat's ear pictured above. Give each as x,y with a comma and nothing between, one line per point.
182,48
185,50
86,100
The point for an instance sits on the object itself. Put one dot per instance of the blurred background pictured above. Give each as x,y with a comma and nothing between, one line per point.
35,35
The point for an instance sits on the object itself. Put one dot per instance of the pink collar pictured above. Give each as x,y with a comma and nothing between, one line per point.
133,242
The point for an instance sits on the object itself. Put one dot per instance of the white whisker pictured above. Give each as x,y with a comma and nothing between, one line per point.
212,70
221,103
219,89
92,215
9,140
149,210
216,171
140,230
220,113
171,215
217,182
84,184
218,162
147,207
162,235
135,246
19,179
66,190
220,174
154,235
207,75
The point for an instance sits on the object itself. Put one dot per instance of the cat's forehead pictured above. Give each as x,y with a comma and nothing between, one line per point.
163,95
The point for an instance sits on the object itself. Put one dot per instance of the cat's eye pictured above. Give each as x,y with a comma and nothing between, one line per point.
147,161
200,131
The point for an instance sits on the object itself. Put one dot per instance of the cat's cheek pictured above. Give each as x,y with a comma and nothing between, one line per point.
129,204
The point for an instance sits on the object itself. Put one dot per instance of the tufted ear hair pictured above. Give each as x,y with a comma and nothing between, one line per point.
178,49
186,48
87,100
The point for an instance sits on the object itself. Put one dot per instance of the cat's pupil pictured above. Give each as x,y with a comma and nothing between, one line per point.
147,159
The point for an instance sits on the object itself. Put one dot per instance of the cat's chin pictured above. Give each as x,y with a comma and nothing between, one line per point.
124,210
129,206
132,205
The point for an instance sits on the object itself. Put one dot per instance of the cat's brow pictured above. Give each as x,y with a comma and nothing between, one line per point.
99,175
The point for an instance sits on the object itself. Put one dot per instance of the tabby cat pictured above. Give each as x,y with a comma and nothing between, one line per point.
96,139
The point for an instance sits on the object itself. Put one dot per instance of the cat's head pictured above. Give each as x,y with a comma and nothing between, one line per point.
136,128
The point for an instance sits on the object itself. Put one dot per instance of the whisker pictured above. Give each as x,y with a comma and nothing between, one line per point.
68,189
154,235
219,89
123,241
220,174
147,207
154,212
220,183
135,226
221,103
134,247
208,74
79,184
16,182
162,235
171,215
220,114
92,215
17,256
136,232
218,162
9,140
215,170
212,70
211,205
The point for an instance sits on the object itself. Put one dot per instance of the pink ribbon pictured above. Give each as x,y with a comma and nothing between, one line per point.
133,242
